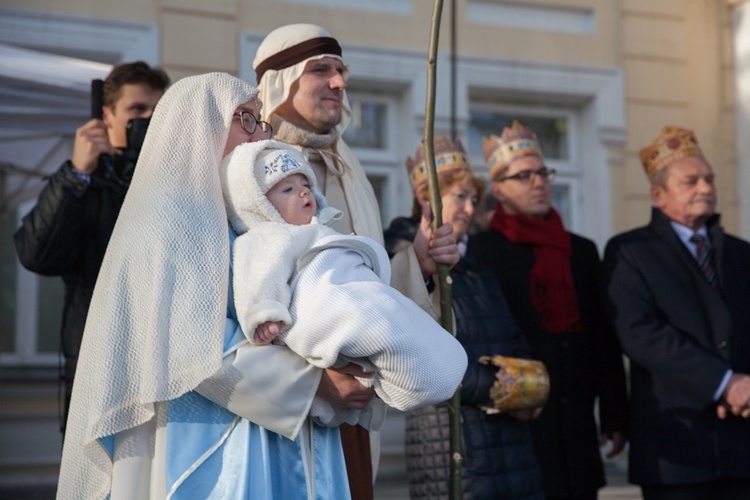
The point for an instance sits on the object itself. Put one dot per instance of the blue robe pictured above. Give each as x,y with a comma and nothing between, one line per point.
212,453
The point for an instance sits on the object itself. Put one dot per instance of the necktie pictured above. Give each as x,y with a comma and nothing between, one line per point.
705,259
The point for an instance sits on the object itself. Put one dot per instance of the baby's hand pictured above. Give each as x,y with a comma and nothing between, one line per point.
267,331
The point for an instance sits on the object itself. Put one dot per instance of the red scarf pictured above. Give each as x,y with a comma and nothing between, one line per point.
551,281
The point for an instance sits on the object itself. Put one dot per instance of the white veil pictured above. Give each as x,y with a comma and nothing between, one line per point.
155,326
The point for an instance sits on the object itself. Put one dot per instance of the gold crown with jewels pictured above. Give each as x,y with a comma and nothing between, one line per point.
514,142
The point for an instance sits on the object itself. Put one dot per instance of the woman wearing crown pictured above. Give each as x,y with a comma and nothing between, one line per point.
498,459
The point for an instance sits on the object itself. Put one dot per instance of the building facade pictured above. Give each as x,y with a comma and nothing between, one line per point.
597,79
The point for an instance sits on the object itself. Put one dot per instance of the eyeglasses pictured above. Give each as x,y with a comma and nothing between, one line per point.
249,123
527,176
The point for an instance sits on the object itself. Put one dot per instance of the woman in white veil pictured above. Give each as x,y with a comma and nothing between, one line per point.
169,400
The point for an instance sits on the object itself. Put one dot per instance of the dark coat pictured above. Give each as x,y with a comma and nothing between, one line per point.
681,337
583,366
66,234
499,459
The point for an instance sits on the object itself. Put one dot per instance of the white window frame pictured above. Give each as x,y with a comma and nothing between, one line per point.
598,98
378,155
26,326
384,162
390,192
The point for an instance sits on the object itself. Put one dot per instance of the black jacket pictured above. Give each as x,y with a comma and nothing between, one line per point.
499,459
66,234
583,366
681,337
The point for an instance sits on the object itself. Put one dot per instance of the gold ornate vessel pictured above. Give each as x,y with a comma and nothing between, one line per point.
520,383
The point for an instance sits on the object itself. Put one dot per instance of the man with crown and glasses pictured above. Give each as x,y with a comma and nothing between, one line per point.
302,80
678,294
551,280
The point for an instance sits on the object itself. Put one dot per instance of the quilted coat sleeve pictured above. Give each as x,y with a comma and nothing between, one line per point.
49,241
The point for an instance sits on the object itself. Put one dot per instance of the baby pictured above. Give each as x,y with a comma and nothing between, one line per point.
325,295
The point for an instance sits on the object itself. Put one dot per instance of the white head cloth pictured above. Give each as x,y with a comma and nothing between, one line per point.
155,326
275,85
274,88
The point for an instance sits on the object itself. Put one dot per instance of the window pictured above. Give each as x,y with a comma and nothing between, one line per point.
367,128
552,132
371,134
372,128
561,196
31,305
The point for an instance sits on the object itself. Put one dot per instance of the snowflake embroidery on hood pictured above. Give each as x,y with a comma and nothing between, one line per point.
283,163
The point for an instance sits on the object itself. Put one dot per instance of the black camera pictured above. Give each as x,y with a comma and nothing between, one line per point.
136,133
124,164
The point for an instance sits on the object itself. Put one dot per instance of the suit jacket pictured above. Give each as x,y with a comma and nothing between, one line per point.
583,366
681,337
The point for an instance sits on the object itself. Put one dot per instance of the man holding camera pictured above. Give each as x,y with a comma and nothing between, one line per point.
67,232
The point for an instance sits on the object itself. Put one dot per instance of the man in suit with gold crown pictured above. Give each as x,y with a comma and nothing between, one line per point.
678,293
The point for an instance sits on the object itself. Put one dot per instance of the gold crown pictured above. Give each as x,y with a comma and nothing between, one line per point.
450,157
672,143
520,383
515,141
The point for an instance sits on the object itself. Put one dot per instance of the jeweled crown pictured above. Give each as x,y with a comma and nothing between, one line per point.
514,142
672,143
450,157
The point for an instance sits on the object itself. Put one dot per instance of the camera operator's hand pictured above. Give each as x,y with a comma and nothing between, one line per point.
90,142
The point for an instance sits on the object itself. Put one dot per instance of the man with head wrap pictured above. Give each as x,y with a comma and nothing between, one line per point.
170,400
302,81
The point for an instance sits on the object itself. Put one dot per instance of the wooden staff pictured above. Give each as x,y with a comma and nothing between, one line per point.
444,279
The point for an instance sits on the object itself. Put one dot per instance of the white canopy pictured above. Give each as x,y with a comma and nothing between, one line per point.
49,69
